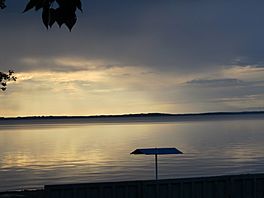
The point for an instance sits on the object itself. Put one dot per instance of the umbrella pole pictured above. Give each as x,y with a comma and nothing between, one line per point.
156,165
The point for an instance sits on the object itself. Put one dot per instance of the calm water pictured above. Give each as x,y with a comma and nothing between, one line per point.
31,156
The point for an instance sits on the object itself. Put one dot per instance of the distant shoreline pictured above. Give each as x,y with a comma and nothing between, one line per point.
130,118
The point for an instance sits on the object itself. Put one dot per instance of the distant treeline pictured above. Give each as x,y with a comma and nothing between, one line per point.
141,115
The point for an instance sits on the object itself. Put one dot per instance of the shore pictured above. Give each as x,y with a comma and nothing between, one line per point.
131,118
23,194
235,186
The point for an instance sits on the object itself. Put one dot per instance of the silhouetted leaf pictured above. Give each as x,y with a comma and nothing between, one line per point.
2,4
40,4
31,4
52,19
10,72
70,22
79,4
4,77
59,16
60,2
46,17
64,14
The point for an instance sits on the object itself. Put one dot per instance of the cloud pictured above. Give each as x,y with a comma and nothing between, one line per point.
64,64
216,82
245,73
150,55
184,37
253,61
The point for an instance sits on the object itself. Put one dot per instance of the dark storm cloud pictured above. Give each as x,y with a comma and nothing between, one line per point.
182,36
254,61
217,82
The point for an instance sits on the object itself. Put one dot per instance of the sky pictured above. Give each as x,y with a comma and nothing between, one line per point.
135,56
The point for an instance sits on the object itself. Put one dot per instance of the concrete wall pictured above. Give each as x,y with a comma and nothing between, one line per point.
236,186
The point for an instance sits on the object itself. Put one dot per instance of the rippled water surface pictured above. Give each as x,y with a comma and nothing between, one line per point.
33,155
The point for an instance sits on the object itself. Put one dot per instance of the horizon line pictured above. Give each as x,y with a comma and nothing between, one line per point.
136,114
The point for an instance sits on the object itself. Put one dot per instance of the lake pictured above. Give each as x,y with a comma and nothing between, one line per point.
34,155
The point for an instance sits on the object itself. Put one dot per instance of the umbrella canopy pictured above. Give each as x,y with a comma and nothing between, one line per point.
156,151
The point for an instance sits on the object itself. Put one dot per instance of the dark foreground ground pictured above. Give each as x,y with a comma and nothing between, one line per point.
23,194
230,186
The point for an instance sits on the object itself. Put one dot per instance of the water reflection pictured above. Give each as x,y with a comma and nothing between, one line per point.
31,156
